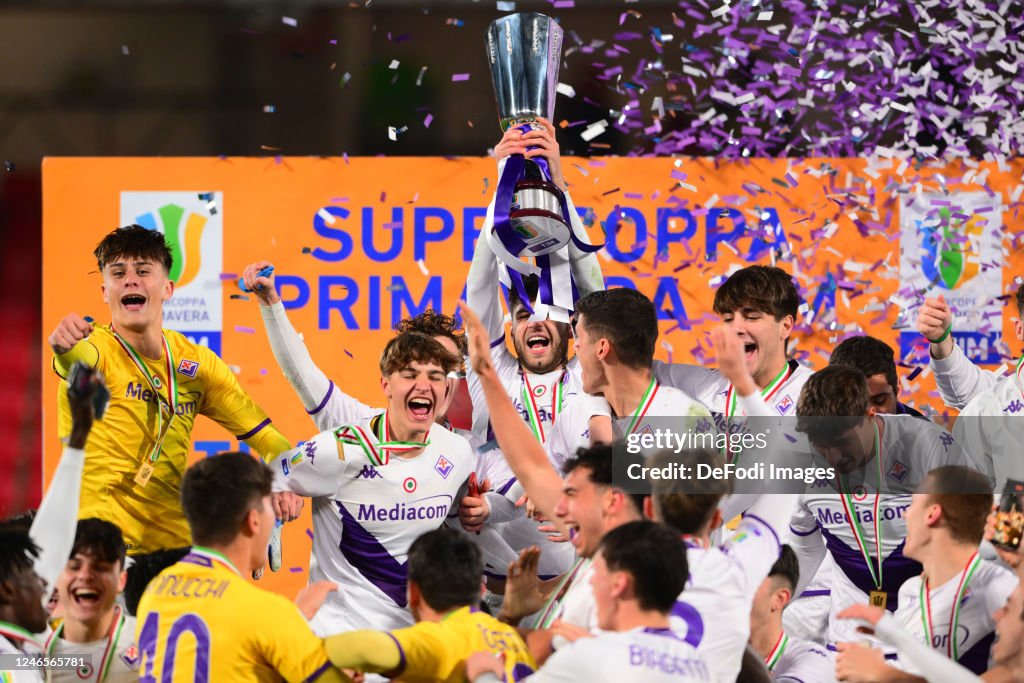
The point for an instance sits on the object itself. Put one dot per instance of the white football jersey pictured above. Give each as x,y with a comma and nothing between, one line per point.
802,661
910,449
958,379
15,641
991,430
710,387
713,611
641,654
662,402
987,590
123,653
368,508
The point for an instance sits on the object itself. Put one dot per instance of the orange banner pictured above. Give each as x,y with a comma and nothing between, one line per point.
360,243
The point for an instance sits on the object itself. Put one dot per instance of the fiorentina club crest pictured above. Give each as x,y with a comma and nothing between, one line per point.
898,471
188,368
443,466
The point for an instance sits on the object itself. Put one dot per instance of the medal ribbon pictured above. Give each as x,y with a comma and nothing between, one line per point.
213,555
379,454
1020,381
767,392
10,631
925,599
645,402
113,636
550,611
858,533
530,402
170,402
776,654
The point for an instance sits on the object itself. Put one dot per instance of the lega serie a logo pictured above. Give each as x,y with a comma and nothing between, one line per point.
950,248
183,231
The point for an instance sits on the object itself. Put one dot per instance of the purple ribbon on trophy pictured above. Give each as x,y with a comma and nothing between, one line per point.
531,215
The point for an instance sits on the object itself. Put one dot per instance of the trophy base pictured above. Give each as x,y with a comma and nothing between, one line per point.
536,216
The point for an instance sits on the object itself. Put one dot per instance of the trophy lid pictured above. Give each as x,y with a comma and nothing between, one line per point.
524,52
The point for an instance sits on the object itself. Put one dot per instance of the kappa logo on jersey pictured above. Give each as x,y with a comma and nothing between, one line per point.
785,405
947,440
130,656
898,471
310,450
443,466
369,472
188,368
1014,407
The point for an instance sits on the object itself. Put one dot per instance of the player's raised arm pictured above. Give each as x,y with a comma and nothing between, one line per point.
53,528
326,404
65,343
957,378
523,452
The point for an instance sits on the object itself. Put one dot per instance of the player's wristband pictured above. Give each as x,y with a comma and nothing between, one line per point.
949,328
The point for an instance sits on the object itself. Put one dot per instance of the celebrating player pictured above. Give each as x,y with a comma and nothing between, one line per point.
200,620
759,304
445,581
93,623
378,484
713,612
874,358
950,606
159,381
879,460
639,570
789,659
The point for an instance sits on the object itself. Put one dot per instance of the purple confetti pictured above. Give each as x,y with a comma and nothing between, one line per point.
460,77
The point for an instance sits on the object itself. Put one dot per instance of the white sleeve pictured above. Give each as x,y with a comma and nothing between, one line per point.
482,284
501,508
756,544
958,379
932,665
807,542
292,356
575,662
312,469
689,379
586,267
56,521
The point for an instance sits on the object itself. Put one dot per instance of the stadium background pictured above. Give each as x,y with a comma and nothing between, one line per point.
288,84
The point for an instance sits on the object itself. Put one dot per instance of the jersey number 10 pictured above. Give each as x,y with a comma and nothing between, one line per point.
148,637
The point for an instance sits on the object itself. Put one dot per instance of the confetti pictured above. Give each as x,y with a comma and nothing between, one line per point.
566,90
296,570
269,109
460,77
289,21
9,166
348,353
394,64
593,130
244,330
124,50
239,297
505,6
423,267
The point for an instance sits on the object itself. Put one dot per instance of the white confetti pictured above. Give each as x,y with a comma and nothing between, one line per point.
289,21
566,90
394,64
326,216
423,267
594,129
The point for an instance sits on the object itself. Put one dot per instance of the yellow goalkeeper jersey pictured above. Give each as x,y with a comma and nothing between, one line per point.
432,650
200,620
141,390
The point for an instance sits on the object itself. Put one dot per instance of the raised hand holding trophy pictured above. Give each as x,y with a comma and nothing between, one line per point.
531,216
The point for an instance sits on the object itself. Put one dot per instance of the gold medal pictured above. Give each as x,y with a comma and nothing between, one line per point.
878,598
144,473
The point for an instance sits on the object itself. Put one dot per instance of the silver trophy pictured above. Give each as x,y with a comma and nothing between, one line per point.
524,51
